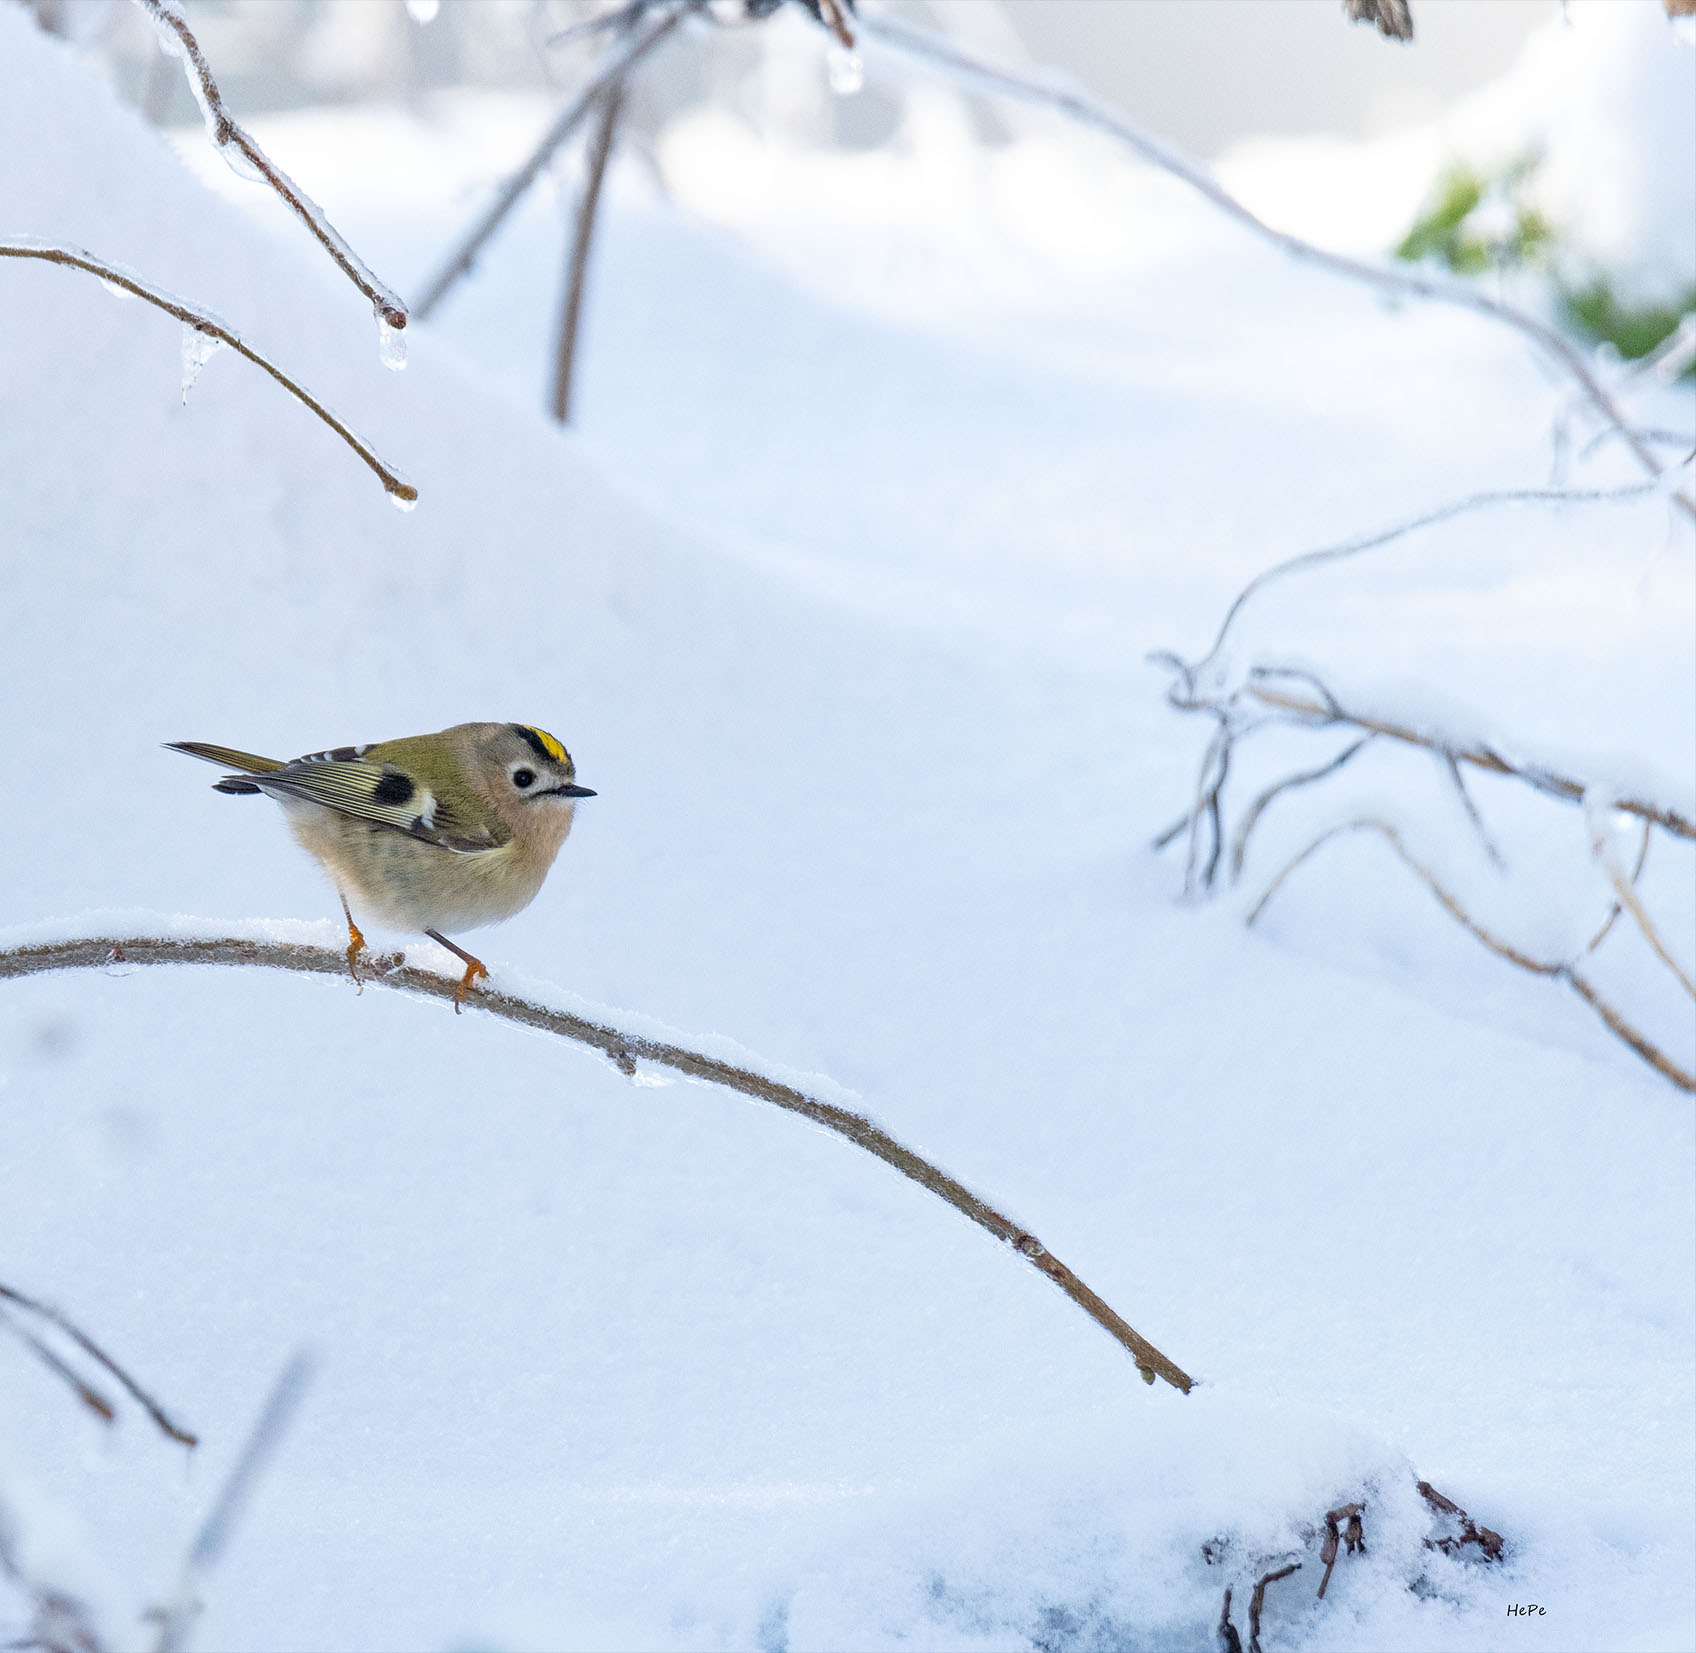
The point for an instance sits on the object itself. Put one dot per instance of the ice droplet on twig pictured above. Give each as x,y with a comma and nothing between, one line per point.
198,349
423,11
847,73
391,344
403,502
115,290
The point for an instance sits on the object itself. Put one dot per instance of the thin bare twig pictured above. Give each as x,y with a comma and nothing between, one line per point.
176,38
1457,780
116,276
1258,1600
1559,970
582,236
614,65
63,1323
1355,1540
625,1050
1057,92
85,1392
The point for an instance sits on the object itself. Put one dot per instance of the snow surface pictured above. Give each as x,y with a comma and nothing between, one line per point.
842,603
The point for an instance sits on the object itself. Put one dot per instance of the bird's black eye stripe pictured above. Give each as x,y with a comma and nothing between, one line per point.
522,778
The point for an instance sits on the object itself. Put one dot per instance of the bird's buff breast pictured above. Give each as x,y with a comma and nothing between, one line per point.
407,884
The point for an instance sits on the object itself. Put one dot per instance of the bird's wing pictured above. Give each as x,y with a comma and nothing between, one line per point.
380,793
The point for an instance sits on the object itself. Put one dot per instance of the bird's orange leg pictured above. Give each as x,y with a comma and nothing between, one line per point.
473,969
355,945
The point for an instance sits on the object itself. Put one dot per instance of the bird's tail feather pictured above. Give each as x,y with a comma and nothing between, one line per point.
226,757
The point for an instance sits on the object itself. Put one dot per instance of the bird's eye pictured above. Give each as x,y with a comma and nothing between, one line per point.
522,778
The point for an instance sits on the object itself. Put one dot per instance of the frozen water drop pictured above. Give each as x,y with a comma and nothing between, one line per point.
115,290
391,344
847,73
423,11
198,349
404,497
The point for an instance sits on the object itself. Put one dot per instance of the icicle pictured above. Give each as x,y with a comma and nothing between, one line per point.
391,344
847,73
115,290
403,502
198,349
423,11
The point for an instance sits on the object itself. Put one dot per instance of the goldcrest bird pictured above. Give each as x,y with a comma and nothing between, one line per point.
435,832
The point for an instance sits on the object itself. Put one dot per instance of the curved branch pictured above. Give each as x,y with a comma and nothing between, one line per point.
625,1050
1558,971
397,487
1427,519
176,38
1057,92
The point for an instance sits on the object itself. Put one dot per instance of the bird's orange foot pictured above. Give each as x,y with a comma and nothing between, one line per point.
355,952
473,970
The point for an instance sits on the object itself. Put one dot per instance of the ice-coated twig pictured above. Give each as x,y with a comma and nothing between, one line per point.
51,1316
617,17
1353,547
113,275
1558,970
1614,911
615,63
1465,750
625,1050
268,1430
577,262
1451,768
177,39
1059,92
1625,892
1252,814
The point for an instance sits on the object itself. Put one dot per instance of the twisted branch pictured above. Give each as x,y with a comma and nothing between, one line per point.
625,1050
397,487
176,39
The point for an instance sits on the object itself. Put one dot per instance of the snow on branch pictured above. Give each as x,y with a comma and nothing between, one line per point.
624,1050
1058,92
208,332
250,161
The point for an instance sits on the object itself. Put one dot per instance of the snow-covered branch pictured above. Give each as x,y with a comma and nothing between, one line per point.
247,158
626,1051
209,331
1058,92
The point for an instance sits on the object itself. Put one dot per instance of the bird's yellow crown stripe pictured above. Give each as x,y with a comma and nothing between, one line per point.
549,745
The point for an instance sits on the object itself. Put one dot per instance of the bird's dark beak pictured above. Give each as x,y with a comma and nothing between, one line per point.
572,791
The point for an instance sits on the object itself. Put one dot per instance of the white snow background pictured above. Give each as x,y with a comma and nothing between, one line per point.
892,469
